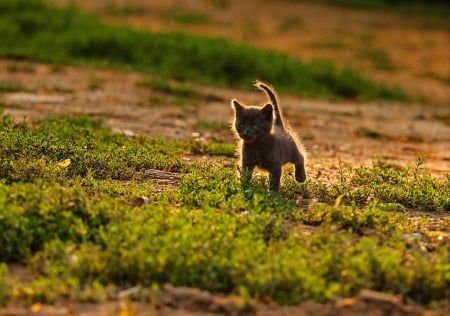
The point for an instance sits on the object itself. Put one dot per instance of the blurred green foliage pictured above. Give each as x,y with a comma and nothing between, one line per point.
34,30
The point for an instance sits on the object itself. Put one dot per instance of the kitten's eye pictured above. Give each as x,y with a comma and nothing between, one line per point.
254,127
241,125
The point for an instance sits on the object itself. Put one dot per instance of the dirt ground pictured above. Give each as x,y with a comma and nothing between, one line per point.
335,133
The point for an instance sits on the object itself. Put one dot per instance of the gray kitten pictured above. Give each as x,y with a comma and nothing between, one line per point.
265,139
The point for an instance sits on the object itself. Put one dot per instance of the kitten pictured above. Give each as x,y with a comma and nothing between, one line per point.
265,139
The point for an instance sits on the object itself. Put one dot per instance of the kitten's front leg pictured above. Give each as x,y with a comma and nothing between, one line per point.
275,178
247,166
247,172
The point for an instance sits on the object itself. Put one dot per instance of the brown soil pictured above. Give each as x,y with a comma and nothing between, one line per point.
182,301
335,134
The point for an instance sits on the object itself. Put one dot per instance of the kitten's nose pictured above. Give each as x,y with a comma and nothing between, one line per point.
245,134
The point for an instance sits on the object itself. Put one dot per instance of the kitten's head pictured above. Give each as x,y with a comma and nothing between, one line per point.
252,123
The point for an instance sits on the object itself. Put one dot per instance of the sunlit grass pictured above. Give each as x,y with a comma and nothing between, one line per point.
67,212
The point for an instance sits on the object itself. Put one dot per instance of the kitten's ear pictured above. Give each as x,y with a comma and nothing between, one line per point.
236,105
267,110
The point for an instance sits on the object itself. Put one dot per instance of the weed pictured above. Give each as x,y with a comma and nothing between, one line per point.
335,45
168,87
212,125
3,284
290,23
221,4
433,13
187,17
364,132
445,118
95,82
11,87
125,10
61,89
17,67
214,148
379,59
179,93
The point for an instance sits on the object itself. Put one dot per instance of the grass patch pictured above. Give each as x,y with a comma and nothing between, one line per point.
169,87
95,82
333,45
434,14
21,67
34,30
364,132
290,23
213,125
379,59
6,86
188,17
72,223
125,10
445,118
178,92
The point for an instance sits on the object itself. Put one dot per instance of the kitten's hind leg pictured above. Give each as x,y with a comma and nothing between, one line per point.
300,172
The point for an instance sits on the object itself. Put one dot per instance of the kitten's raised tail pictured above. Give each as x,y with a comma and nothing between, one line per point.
270,92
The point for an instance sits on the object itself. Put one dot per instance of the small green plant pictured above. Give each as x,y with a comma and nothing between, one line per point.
168,87
124,10
175,92
3,284
379,58
445,118
95,82
364,132
61,89
290,23
213,125
21,67
188,17
221,4
11,87
334,45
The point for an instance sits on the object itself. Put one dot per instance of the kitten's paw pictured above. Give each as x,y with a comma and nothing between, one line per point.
300,175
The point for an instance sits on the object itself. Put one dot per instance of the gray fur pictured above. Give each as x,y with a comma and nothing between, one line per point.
266,140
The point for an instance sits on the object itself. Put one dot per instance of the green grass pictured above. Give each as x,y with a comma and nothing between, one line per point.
176,92
378,58
433,14
36,31
6,86
188,17
75,228
445,118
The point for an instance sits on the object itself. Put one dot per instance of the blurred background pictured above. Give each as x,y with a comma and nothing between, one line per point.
402,42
